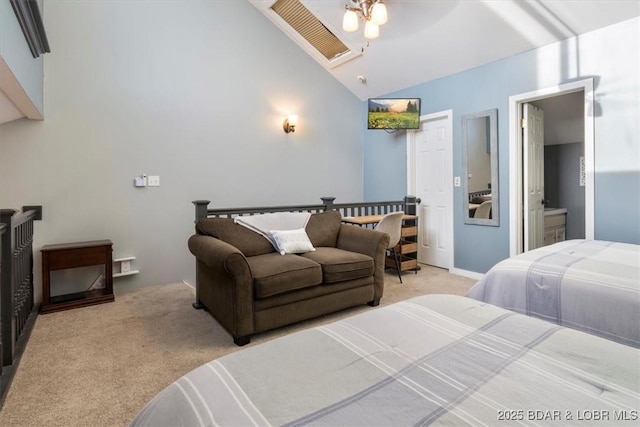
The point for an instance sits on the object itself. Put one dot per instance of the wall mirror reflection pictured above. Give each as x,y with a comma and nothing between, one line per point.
480,168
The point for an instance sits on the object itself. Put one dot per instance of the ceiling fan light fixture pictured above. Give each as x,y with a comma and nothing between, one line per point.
379,13
350,21
374,12
371,30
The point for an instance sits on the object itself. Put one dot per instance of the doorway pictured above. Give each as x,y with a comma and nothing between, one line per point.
430,178
519,227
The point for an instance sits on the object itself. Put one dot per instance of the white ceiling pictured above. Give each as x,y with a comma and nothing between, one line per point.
427,39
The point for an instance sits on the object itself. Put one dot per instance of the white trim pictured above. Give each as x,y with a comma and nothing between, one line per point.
128,273
15,93
411,162
466,273
515,156
411,171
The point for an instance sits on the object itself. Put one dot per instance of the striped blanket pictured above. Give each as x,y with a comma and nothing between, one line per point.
589,285
435,359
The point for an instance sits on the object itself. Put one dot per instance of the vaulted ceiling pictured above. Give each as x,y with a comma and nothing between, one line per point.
427,39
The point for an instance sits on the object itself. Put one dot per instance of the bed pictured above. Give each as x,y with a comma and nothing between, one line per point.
432,359
589,285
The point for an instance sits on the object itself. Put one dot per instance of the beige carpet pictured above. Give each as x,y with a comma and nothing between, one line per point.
97,366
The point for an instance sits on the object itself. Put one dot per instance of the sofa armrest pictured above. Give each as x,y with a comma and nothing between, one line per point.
368,242
213,252
224,283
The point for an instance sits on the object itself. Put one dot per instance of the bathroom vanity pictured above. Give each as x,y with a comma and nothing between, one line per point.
555,225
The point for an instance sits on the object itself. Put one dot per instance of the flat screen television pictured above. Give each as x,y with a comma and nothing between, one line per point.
393,113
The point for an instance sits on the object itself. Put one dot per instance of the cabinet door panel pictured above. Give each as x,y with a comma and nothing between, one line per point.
549,237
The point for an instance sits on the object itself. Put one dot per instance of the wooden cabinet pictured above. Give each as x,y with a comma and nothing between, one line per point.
554,228
76,255
408,246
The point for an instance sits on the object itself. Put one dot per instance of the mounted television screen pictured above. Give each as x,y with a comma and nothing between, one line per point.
393,113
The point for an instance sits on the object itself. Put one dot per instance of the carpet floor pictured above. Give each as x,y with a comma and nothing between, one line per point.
97,366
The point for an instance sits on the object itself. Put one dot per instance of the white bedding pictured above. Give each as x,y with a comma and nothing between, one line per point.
590,285
436,359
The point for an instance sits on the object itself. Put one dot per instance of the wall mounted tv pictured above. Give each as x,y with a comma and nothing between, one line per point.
393,113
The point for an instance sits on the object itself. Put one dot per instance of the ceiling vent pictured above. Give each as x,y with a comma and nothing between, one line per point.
310,28
307,29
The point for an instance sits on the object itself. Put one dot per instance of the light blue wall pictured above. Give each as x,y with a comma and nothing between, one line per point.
15,52
192,91
609,56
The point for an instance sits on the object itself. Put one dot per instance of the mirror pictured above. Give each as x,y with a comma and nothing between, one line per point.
480,168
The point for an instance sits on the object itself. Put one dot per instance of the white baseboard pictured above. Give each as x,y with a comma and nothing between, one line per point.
188,284
466,273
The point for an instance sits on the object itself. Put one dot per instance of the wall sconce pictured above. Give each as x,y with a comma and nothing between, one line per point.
289,124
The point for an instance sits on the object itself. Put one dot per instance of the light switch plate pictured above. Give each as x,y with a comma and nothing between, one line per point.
153,181
140,181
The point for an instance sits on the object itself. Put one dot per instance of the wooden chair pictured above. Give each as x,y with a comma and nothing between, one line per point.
391,224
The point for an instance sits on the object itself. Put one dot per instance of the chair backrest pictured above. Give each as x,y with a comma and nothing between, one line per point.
391,224
484,210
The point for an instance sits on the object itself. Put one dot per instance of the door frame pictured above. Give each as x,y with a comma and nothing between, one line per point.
411,173
516,215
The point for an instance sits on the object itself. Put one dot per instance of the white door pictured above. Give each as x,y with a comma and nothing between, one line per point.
433,185
533,159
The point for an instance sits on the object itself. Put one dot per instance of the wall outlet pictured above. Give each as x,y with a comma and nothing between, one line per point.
456,181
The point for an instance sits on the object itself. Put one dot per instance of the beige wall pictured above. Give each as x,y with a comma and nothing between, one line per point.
179,90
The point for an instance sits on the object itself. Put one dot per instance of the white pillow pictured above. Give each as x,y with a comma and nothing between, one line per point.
291,241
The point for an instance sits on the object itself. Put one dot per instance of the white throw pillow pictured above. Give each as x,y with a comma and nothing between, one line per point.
291,241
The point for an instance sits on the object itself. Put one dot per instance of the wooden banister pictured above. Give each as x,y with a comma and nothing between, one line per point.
408,204
17,308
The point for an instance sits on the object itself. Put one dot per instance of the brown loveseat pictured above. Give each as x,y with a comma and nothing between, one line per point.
249,287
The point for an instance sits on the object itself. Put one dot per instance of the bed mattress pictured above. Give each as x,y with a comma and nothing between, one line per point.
589,285
431,360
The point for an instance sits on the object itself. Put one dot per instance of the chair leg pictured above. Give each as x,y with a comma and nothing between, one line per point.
396,257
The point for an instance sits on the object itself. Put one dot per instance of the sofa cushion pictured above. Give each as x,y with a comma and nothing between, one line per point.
291,241
248,242
323,228
339,265
275,274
